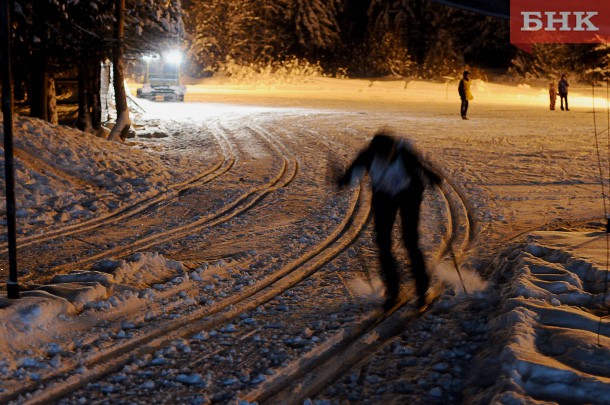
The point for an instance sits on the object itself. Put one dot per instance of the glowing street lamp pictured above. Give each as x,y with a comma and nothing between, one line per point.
147,59
174,57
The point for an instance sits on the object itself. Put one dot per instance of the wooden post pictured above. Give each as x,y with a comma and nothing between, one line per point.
9,168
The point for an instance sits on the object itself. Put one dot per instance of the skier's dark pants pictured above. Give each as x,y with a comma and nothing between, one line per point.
464,107
561,98
385,208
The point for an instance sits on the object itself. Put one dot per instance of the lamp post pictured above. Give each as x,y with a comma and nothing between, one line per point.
12,288
147,59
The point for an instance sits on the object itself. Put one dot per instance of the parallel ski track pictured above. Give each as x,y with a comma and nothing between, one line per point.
63,381
244,202
462,229
318,369
311,374
287,173
52,387
225,163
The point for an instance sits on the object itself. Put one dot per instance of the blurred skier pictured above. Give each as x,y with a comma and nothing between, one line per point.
552,95
465,94
398,178
563,91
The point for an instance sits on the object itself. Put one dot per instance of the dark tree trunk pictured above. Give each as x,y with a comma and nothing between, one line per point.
95,104
83,110
120,129
89,106
39,85
19,85
119,88
40,62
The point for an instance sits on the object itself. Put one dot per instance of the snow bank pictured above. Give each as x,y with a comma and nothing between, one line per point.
557,348
64,176
70,301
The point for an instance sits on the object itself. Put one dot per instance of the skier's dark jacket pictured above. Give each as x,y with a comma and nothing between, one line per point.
392,165
464,89
461,90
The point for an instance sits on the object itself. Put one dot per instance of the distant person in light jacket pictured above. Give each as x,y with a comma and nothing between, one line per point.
465,94
552,95
563,91
399,177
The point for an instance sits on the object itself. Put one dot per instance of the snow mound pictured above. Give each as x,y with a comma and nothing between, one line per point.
64,176
70,299
145,269
556,345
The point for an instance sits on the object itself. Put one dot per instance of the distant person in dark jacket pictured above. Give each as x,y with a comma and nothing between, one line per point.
552,95
563,91
398,179
465,93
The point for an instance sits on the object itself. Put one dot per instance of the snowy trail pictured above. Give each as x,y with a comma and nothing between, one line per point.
218,314
205,318
187,207
321,367
233,303
80,230
143,220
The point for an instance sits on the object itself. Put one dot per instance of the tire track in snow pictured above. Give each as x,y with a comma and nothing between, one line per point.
463,227
328,362
207,318
331,359
288,173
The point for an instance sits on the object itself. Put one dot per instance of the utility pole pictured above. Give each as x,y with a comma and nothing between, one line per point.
12,288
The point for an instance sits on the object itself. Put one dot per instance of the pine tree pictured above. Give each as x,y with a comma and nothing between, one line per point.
53,36
261,31
315,23
240,31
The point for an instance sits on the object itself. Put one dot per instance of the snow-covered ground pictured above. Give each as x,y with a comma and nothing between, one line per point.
222,192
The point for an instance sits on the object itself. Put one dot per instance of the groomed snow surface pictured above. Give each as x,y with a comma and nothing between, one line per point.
533,328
